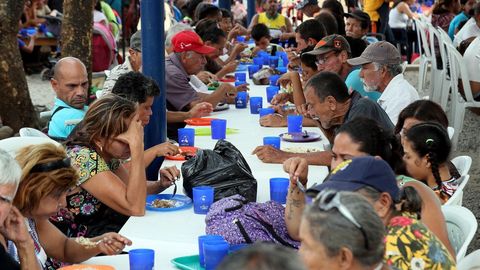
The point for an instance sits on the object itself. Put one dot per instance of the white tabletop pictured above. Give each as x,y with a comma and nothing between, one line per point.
174,234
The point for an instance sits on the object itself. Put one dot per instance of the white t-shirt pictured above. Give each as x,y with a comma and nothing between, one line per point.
471,59
398,94
470,29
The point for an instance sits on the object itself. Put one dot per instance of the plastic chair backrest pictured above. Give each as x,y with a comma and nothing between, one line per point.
31,132
463,164
470,262
461,227
13,144
423,37
457,197
459,70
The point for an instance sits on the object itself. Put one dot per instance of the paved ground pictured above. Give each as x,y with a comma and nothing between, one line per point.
469,143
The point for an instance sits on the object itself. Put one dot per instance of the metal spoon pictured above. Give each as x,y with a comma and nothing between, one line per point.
305,135
175,188
300,186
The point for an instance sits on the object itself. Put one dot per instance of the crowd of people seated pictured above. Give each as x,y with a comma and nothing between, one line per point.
389,161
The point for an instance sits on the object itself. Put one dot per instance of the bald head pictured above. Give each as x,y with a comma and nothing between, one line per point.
70,81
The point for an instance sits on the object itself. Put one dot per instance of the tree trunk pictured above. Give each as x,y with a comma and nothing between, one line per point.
77,27
16,108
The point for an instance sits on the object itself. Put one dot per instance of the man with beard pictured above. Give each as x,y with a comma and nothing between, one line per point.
382,71
70,83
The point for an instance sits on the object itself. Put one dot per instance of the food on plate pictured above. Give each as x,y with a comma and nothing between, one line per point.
287,136
86,242
246,60
158,203
213,84
300,150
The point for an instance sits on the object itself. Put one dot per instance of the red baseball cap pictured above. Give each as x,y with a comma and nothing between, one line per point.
189,41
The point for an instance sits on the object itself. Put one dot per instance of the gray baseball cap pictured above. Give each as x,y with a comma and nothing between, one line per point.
304,3
381,52
136,41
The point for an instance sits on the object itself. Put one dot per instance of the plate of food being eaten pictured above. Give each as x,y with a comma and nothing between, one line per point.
165,202
186,152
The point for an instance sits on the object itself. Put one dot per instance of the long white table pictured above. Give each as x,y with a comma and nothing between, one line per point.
174,234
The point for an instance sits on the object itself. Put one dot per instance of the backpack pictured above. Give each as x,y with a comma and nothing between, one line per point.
240,221
104,48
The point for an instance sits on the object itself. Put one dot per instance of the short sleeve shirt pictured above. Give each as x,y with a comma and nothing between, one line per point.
410,245
364,107
472,60
455,23
179,92
57,127
85,215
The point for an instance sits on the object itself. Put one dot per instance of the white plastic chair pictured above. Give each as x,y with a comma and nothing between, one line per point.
31,132
438,77
463,164
470,262
461,228
425,55
457,197
459,103
13,144
450,131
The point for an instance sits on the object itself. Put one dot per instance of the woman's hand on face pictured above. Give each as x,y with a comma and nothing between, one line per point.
168,176
134,135
14,228
113,243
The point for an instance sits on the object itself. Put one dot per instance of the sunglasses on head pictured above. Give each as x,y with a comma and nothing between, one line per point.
330,199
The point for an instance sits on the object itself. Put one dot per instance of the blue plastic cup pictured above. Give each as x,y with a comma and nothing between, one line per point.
214,252
252,69
238,83
241,39
273,61
266,59
240,76
202,199
271,92
272,140
282,70
256,103
294,123
219,129
258,61
279,189
274,79
266,111
206,238
141,259
186,136
241,100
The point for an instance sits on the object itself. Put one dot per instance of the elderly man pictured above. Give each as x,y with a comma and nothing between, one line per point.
357,25
332,53
188,59
133,62
70,83
12,223
331,104
382,71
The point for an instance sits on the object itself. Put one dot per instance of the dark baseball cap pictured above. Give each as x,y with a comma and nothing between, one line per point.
354,174
381,52
330,43
359,15
305,3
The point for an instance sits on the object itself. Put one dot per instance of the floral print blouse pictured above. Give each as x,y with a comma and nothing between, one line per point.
410,245
85,215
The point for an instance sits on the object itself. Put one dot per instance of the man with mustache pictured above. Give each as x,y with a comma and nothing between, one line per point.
70,83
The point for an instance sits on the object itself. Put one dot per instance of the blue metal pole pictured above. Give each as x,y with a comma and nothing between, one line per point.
153,59
226,4
251,10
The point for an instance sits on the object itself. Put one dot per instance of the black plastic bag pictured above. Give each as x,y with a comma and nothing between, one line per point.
223,168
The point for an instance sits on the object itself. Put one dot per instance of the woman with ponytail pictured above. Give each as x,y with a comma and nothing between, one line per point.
426,150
